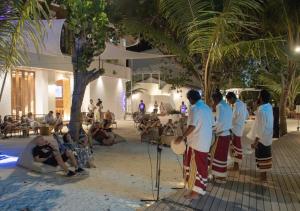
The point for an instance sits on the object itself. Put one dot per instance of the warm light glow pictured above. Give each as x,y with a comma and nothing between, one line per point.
51,88
297,49
120,84
150,109
176,96
135,96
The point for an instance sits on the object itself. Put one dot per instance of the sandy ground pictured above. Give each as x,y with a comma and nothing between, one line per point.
121,179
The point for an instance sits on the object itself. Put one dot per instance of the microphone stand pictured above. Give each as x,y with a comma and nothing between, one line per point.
157,171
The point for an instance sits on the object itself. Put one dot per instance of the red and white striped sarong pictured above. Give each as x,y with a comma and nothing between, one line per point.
219,164
237,150
196,170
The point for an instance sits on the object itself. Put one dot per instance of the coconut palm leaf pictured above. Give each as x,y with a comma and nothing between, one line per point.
19,25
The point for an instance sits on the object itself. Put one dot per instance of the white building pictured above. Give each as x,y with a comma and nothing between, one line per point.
45,81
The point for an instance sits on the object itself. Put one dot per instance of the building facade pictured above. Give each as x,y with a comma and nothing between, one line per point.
45,81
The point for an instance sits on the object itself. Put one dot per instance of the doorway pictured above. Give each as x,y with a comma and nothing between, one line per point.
63,98
22,92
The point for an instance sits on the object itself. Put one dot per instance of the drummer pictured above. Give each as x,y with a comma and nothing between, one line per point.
198,136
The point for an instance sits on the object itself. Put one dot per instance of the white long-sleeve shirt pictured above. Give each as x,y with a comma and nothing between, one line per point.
240,114
223,119
201,117
262,127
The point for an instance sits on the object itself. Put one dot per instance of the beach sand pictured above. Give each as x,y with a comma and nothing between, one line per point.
121,179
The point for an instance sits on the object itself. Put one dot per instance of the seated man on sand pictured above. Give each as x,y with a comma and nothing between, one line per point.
108,119
102,136
45,152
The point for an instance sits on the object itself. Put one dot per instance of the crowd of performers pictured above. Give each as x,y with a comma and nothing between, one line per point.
208,139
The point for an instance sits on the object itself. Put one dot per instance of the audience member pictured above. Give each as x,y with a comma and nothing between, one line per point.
142,107
81,150
32,123
58,123
45,152
101,136
49,118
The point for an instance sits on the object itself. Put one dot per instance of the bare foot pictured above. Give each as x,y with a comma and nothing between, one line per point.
192,195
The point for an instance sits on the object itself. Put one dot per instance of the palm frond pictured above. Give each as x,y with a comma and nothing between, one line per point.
20,24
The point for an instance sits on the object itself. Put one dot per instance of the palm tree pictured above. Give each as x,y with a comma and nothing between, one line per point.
281,18
18,25
273,82
214,29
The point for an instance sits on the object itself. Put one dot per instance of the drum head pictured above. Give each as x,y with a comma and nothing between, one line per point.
178,149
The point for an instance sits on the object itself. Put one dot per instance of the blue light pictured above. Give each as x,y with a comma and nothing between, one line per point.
4,159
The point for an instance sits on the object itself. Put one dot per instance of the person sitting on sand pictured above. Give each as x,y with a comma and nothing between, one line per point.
45,152
101,136
58,123
81,150
169,128
108,118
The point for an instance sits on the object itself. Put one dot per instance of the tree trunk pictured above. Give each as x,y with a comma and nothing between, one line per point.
3,85
81,80
207,81
286,87
77,99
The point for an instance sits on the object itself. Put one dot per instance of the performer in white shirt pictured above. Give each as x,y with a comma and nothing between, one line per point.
262,134
223,127
199,135
240,115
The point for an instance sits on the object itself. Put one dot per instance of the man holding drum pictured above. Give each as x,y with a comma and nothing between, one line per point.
198,136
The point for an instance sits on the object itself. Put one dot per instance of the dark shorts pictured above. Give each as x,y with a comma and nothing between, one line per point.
52,162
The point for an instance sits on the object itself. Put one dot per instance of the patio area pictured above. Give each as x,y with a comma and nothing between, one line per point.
243,192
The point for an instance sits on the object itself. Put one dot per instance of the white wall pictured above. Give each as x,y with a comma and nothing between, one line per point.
41,92
5,103
112,92
153,93
86,99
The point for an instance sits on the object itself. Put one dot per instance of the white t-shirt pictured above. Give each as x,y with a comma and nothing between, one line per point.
91,107
223,119
240,115
200,116
262,127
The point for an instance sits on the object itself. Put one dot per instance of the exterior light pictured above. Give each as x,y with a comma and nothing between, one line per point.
297,49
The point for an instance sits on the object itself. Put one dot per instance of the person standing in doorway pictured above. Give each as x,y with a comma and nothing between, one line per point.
240,115
223,127
198,136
